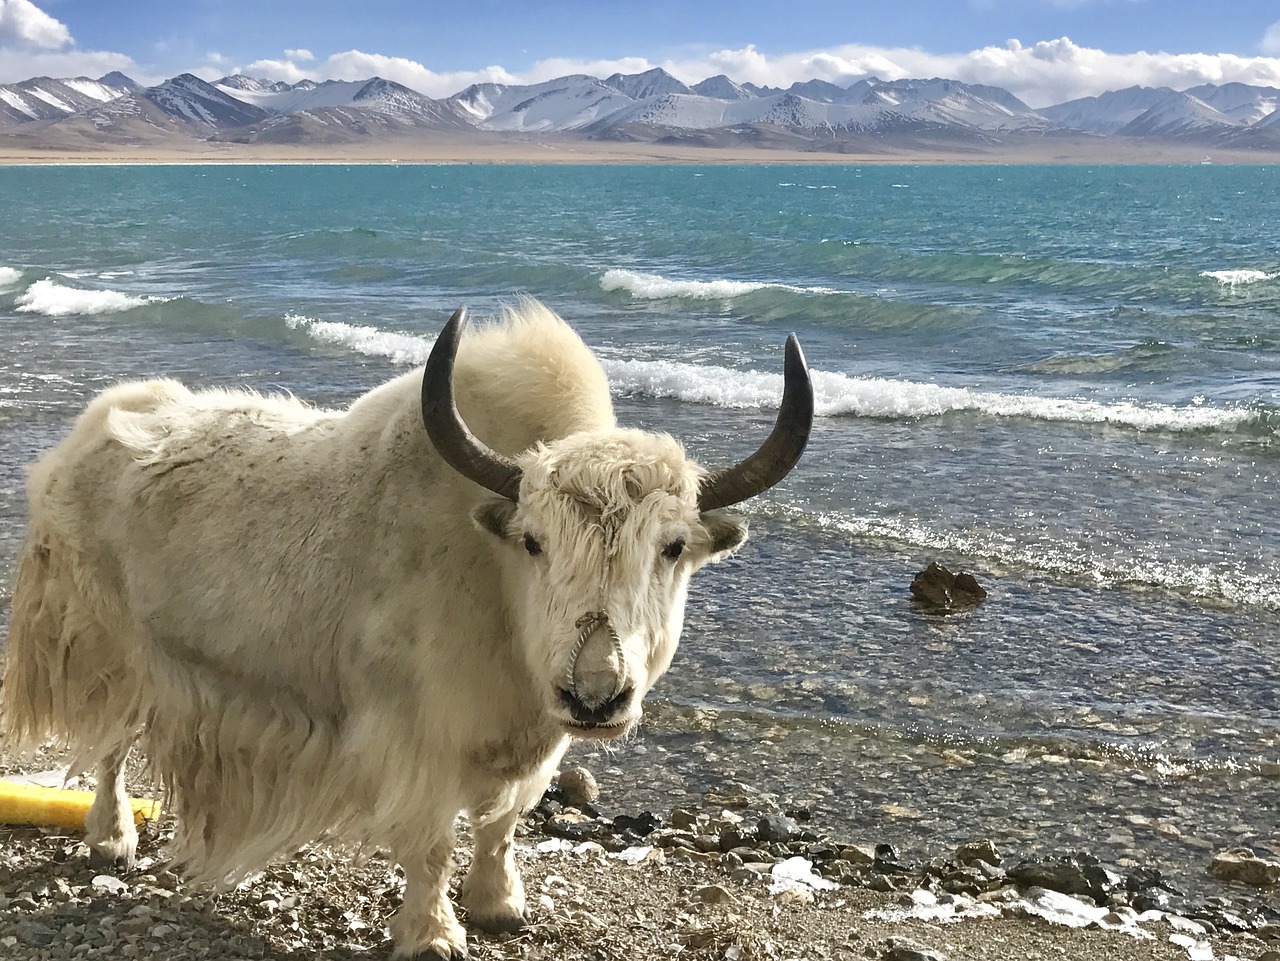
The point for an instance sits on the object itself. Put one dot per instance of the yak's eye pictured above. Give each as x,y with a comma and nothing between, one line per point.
531,545
673,550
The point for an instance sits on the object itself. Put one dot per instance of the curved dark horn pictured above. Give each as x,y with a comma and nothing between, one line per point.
780,451
455,443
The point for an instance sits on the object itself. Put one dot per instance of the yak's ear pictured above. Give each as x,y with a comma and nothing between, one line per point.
494,516
725,533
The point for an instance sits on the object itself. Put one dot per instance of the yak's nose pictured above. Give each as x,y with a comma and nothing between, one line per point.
595,715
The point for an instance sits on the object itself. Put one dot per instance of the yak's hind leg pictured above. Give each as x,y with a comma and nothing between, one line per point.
110,831
493,893
425,927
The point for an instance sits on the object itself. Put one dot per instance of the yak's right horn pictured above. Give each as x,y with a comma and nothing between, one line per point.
460,448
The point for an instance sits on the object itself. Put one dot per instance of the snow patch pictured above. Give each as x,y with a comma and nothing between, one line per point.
17,103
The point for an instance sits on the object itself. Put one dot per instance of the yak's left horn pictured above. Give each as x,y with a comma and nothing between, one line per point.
781,449
460,448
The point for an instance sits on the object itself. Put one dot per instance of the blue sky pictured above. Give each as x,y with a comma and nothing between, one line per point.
1043,50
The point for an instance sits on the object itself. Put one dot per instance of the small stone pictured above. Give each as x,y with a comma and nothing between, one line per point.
984,850
858,854
777,828
36,934
900,949
795,895
683,819
109,885
578,787
1241,864
713,894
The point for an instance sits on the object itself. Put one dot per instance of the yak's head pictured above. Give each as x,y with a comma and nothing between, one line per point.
605,529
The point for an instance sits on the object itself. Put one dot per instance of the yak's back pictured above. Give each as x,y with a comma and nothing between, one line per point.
528,377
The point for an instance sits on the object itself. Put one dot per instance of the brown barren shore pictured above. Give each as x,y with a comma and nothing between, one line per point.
324,905
484,150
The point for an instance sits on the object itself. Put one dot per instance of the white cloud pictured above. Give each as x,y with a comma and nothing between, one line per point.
17,65
356,65
563,66
1270,44
1043,73
34,44
23,24
299,55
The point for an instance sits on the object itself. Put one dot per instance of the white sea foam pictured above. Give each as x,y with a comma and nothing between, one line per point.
370,341
834,394
644,286
51,299
839,394
9,276
1235,278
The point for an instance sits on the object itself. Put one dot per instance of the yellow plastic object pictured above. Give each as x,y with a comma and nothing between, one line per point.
55,807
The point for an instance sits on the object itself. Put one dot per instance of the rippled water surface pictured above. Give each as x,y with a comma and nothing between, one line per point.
1064,380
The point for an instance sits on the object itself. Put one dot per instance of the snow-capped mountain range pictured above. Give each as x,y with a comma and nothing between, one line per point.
647,106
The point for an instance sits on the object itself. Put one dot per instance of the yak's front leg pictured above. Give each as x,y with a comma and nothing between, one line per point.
110,832
493,893
425,927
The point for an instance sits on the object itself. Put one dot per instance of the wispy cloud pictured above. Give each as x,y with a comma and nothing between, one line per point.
1270,43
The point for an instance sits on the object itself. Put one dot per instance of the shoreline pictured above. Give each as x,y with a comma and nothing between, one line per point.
467,151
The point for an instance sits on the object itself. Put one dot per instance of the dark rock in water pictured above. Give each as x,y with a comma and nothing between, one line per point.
1080,874
939,589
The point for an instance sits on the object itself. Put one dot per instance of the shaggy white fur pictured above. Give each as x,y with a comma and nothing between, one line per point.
314,625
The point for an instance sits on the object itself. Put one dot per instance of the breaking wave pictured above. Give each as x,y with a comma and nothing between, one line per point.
656,287
370,341
1237,278
51,299
836,394
9,276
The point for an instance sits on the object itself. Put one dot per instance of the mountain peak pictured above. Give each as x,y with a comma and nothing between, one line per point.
118,81
641,86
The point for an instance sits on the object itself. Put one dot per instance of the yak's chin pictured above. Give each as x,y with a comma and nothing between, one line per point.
600,732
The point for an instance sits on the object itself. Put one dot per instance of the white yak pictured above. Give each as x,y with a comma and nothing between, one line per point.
339,621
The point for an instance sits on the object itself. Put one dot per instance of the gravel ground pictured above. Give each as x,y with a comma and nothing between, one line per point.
584,902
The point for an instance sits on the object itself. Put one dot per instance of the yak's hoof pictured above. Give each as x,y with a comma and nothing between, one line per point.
458,953
499,923
112,856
